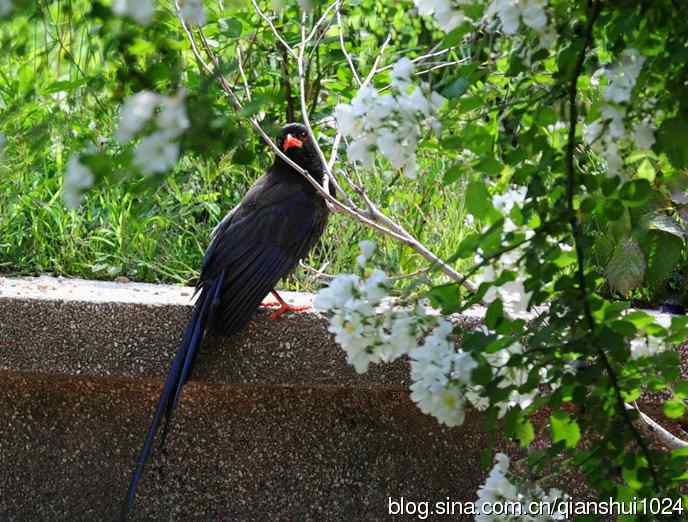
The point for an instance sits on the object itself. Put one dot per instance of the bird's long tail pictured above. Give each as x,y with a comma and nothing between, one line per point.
177,376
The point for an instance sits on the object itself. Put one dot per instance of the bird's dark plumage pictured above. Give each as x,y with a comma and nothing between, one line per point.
260,241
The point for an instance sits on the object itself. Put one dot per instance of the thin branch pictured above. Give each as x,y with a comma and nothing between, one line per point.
343,47
240,61
274,29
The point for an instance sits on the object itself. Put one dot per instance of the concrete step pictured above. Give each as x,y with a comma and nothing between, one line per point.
274,425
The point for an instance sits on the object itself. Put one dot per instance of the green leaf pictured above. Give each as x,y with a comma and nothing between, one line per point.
664,256
525,432
636,192
564,428
626,268
231,27
478,201
452,174
646,171
674,408
495,313
445,297
455,36
671,138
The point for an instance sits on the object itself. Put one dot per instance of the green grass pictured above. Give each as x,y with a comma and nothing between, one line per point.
159,234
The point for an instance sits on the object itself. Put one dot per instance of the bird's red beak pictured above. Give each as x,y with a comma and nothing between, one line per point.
290,142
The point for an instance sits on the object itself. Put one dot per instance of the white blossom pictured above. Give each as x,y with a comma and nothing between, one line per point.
140,10
502,486
5,7
592,131
156,153
193,12
77,179
136,111
644,135
647,346
390,123
511,12
623,76
447,13
615,121
402,73
367,250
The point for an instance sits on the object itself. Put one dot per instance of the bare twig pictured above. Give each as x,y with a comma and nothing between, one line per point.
274,29
343,47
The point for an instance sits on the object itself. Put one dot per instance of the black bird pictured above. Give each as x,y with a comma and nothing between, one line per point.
259,242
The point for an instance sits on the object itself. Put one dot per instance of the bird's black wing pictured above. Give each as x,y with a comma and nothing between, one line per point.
262,242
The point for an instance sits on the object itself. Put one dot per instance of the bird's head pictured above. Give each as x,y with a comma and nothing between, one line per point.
297,144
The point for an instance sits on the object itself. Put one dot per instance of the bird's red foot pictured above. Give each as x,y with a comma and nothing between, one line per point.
283,306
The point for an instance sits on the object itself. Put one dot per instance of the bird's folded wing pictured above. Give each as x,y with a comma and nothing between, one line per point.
257,247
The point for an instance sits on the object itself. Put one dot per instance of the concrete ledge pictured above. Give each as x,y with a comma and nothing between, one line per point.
91,328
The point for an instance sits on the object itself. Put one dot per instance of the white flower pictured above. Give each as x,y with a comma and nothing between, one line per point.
156,153
534,16
361,150
193,12
623,76
647,346
367,250
384,106
644,135
592,131
511,12
447,14
390,123
374,287
5,7
401,74
337,294
140,10
78,178
136,111
615,119
172,119
347,124
614,160
390,146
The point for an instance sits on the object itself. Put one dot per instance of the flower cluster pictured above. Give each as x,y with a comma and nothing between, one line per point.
77,179
605,133
390,123
370,329
512,293
140,10
501,486
448,13
193,12
510,13
366,335
5,7
158,151
441,376
647,345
